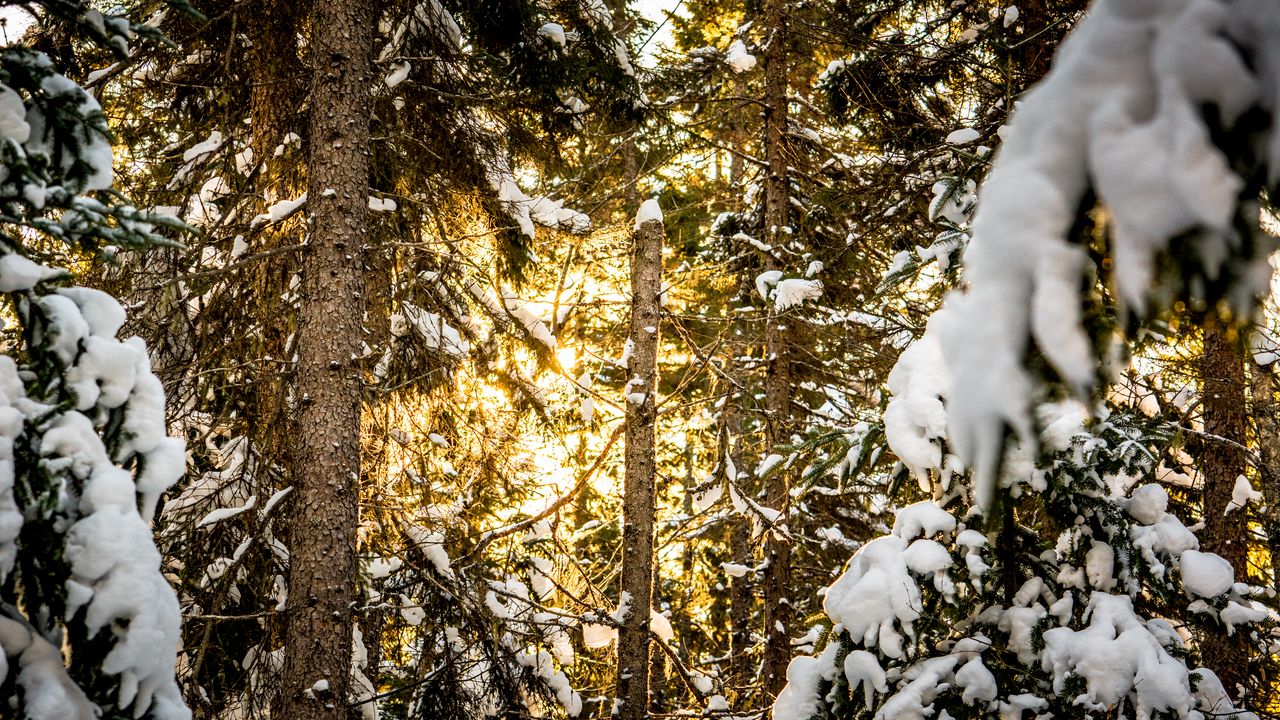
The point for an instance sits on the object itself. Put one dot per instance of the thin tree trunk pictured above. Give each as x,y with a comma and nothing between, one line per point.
325,458
638,498
1222,370
740,598
777,572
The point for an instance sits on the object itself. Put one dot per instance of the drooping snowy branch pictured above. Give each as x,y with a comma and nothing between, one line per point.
1152,109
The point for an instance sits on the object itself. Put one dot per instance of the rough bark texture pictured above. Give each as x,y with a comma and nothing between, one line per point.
777,572
1222,368
637,504
325,457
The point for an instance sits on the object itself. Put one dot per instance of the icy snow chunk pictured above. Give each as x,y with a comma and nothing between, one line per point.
1205,575
977,681
659,625
737,57
399,72
735,570
963,136
766,280
1242,494
925,557
377,204
795,291
799,699
279,211
862,668
1099,566
1148,503
649,211
1010,16
922,519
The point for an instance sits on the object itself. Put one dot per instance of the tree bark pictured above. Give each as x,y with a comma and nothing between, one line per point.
325,457
777,571
1222,371
638,498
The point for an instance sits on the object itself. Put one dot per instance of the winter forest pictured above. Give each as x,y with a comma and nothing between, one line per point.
756,360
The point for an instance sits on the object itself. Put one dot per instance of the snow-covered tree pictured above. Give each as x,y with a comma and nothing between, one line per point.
1061,579
89,626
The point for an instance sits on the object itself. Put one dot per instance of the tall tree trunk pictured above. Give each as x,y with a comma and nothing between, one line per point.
740,598
325,458
638,498
777,572
1221,462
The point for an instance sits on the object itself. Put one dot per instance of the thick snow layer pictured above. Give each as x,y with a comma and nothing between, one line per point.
1117,656
737,57
799,698
1242,494
1205,575
114,567
963,136
876,599
915,419
1119,114
922,519
649,212
795,291
17,273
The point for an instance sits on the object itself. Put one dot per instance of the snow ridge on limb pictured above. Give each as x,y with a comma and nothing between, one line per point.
1119,117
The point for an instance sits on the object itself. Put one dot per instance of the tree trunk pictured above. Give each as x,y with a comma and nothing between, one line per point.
638,499
777,572
325,458
1221,462
739,535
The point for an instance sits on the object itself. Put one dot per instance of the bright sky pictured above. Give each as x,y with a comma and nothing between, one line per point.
13,21
656,10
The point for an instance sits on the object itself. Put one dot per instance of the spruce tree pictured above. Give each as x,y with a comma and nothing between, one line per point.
89,625
1055,579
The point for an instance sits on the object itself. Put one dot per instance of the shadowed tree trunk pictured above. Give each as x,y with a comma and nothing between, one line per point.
638,498
777,571
325,457
1221,462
